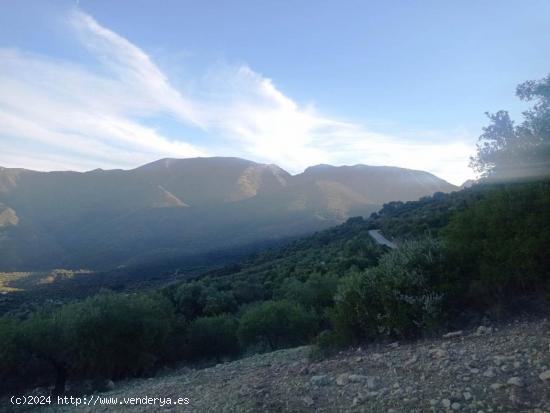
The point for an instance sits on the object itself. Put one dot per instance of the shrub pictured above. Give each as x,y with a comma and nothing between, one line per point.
8,344
48,336
317,292
119,335
500,244
401,297
105,336
220,302
190,299
276,324
327,343
214,336
12,361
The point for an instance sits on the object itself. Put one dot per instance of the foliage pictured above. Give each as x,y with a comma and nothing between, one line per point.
190,299
106,336
493,250
327,343
118,334
11,359
500,244
317,292
276,324
508,151
397,298
213,337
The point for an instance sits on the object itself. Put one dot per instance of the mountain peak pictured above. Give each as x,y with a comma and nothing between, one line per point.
319,167
184,206
167,163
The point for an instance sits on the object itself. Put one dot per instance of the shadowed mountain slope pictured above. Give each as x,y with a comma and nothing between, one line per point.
106,218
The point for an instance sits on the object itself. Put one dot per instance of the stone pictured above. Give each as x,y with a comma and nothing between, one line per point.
446,403
342,380
496,386
482,330
357,378
467,395
357,401
412,360
453,334
498,360
490,372
320,380
438,353
372,382
308,401
515,381
545,375
455,406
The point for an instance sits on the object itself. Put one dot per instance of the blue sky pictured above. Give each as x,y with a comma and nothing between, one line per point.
117,84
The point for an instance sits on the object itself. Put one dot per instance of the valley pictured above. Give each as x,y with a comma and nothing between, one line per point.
174,209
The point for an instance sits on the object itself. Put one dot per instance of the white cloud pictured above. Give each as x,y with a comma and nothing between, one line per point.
83,117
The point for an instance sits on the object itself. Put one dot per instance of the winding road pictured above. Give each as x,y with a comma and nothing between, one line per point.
380,239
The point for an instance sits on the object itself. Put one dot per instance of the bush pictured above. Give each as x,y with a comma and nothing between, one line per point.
213,337
220,302
119,335
105,336
317,292
277,324
500,244
11,358
327,343
190,299
399,298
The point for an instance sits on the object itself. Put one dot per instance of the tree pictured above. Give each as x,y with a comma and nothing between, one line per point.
105,336
500,244
190,299
277,324
48,336
213,336
12,359
507,151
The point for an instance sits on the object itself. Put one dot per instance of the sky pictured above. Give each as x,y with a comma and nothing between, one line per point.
102,84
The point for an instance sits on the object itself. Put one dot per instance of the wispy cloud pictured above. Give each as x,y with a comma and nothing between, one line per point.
78,116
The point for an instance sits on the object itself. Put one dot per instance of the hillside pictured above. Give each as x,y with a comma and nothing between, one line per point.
481,370
179,207
334,289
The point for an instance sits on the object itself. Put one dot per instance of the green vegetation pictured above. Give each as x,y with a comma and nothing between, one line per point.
500,244
276,324
399,298
509,151
487,250
213,337
481,250
108,335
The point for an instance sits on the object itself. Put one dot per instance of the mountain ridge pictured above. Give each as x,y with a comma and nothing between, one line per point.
104,218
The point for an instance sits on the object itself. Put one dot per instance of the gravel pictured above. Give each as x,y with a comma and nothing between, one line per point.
483,370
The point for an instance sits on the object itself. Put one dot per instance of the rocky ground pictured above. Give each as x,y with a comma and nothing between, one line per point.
505,369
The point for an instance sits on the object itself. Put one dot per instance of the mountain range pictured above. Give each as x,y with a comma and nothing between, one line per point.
103,219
